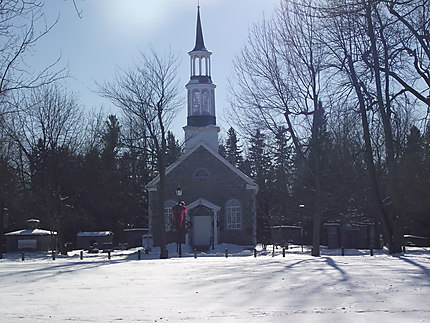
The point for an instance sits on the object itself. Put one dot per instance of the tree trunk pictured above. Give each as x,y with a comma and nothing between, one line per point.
385,113
1,228
316,239
368,155
317,130
160,209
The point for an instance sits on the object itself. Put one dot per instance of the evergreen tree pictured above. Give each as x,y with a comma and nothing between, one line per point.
54,173
174,150
282,156
233,154
91,193
281,186
413,188
259,166
259,160
113,197
111,141
222,150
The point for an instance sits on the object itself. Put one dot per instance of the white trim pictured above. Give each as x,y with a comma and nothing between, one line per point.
231,208
203,202
215,209
250,184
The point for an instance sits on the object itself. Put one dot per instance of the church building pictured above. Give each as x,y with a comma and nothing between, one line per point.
220,199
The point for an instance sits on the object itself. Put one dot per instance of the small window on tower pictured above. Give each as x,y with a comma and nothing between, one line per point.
205,102
201,173
196,102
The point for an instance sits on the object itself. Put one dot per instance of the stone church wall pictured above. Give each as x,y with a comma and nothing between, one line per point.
221,185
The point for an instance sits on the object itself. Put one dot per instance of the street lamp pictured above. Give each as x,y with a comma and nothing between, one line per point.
301,206
179,193
178,224
3,225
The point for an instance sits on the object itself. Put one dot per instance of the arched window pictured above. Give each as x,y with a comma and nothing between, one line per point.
205,102
196,102
233,215
201,173
168,215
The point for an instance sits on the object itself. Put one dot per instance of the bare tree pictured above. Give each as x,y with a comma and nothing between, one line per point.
147,92
48,115
48,132
280,79
366,46
22,25
412,19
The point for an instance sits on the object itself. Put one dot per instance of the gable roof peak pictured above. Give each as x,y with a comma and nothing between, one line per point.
250,183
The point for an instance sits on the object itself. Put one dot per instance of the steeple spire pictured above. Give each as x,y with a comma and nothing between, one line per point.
200,44
201,121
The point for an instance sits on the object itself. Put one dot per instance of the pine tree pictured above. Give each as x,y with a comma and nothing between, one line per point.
113,196
232,149
111,140
259,166
282,158
412,186
259,160
222,150
281,186
174,150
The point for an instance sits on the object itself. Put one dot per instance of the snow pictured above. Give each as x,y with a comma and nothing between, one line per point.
31,232
95,234
212,288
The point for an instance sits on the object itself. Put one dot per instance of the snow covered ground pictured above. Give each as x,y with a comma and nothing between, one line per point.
298,288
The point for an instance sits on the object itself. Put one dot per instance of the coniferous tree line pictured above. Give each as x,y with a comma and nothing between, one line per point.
333,99
285,183
71,172
349,81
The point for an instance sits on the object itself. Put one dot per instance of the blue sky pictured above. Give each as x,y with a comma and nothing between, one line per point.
111,33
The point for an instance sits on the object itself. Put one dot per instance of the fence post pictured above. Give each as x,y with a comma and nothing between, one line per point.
273,251
139,254
109,254
226,252
255,253
283,252
82,255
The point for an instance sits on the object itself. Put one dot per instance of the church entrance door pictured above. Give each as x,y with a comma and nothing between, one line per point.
202,229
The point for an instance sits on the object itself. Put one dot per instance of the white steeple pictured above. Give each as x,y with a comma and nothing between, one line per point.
201,120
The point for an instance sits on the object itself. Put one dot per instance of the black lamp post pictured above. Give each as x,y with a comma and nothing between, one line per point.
178,224
302,207
2,210
179,194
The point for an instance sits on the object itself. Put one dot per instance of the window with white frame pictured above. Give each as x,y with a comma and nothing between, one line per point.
168,215
233,215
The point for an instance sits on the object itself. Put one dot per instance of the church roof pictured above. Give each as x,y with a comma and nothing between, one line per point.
31,232
250,184
200,44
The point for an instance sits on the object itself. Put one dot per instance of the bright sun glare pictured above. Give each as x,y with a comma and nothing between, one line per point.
135,15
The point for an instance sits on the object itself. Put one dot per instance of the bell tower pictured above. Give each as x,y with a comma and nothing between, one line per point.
201,120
